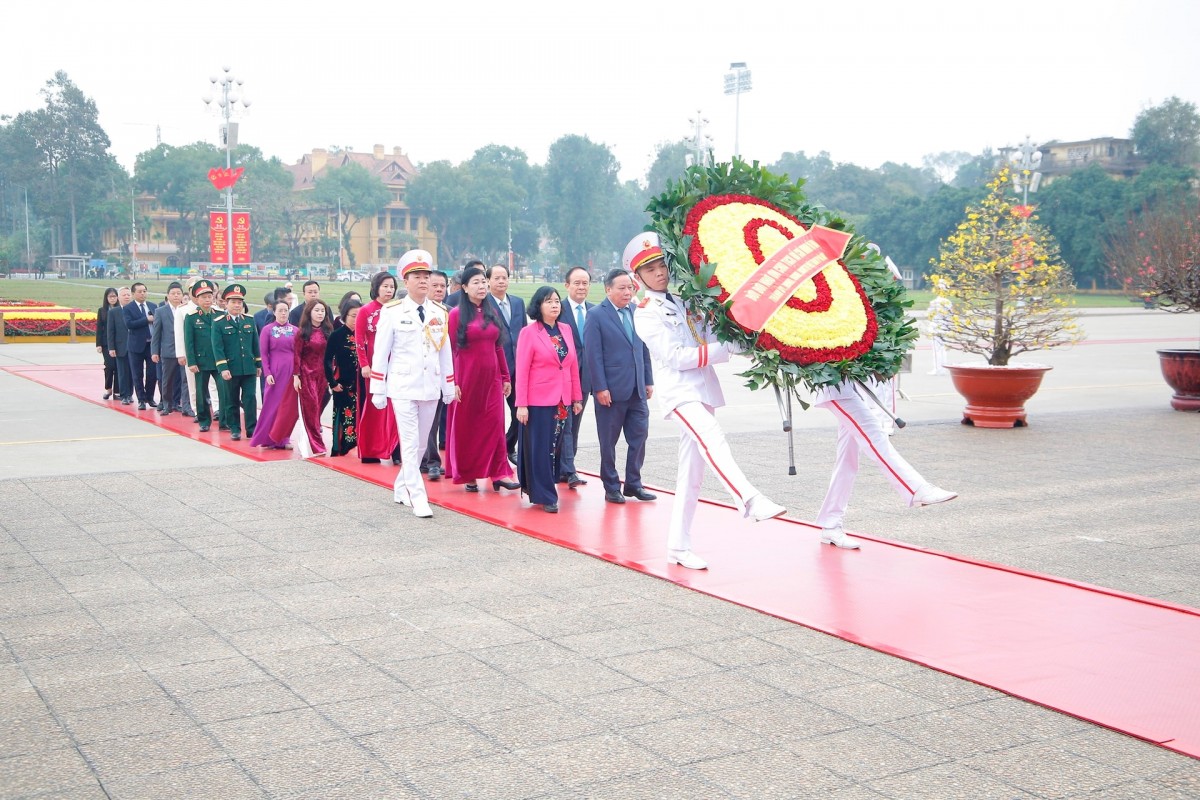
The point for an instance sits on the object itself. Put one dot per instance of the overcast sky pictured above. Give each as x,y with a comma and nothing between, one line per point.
866,81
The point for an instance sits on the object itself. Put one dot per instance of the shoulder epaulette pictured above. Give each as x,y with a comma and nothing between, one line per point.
391,303
642,304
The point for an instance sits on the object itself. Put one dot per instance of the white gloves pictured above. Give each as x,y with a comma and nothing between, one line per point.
379,401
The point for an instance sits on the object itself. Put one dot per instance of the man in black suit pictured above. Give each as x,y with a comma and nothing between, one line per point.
575,311
139,316
622,381
118,346
512,314
312,291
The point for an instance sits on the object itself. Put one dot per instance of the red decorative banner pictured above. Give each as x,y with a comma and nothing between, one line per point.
241,237
767,290
219,237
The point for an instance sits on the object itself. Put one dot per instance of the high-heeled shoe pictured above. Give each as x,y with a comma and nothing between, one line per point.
472,487
510,485
107,395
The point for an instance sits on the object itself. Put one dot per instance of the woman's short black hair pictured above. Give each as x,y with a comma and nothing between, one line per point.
539,297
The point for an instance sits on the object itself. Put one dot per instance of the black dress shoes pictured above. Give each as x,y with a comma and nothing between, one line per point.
574,480
107,395
498,485
472,487
435,473
550,508
640,494
141,406
203,427
370,460
235,436
614,497
125,401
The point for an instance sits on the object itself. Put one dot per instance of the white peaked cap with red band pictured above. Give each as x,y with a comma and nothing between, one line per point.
414,261
641,250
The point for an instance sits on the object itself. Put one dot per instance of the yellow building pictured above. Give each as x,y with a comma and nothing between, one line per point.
1115,156
378,242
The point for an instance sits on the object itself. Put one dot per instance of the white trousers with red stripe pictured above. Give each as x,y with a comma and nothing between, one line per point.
414,420
703,442
859,430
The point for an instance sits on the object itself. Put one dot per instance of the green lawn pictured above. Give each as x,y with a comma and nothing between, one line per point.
87,294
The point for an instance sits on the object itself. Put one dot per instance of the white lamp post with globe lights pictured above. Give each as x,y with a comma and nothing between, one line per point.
228,87
737,80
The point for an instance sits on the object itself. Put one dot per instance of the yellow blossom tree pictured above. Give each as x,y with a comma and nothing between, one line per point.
1009,291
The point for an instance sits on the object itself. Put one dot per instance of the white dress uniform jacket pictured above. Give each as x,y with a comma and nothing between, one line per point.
412,358
682,352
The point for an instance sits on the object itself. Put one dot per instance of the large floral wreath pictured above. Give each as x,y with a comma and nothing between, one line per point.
718,225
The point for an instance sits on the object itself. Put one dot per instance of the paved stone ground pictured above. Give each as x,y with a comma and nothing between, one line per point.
278,630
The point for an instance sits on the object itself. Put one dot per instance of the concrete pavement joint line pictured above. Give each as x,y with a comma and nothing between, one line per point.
91,439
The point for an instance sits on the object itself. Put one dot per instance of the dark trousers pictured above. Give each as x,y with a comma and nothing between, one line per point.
432,457
510,436
111,381
172,381
203,409
124,377
631,417
242,399
537,457
144,374
570,442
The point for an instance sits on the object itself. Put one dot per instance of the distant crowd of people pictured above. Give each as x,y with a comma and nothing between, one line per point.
421,375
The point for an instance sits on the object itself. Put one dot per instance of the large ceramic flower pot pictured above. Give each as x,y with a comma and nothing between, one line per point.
996,395
1181,369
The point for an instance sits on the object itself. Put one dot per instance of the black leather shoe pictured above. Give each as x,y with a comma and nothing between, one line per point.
107,395
550,508
640,494
222,427
614,497
237,437
574,480
498,485
370,460
203,427
512,457
472,487
141,406
187,413
435,473
125,401
395,462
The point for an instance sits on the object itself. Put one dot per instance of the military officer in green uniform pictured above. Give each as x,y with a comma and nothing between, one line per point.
235,344
198,347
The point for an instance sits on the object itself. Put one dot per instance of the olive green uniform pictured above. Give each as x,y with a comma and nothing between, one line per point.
235,345
198,344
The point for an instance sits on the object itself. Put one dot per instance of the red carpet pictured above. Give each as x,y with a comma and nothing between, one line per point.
1125,662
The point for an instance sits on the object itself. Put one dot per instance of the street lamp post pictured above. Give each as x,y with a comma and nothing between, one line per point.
1027,159
737,80
228,86
701,142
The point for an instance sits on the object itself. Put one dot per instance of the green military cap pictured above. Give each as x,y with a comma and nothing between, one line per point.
234,290
201,286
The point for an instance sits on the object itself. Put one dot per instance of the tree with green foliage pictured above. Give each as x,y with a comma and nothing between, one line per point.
671,160
1168,133
358,193
1080,209
178,179
470,206
523,206
71,151
911,229
266,189
440,193
580,188
800,167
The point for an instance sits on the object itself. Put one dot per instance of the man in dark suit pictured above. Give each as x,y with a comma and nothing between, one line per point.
575,311
172,396
312,291
118,346
139,316
622,381
512,314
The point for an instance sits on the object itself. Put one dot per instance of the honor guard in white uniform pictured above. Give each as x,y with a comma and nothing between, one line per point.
683,351
412,366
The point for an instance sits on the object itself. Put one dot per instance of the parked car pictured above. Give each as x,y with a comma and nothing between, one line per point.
349,275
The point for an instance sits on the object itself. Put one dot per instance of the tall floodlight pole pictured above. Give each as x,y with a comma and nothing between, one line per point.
701,142
737,80
227,87
1027,159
